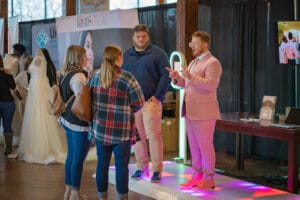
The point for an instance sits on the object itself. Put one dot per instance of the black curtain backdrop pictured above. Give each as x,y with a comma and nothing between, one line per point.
161,21
242,33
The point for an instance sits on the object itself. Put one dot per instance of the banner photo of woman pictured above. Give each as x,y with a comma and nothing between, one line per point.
94,31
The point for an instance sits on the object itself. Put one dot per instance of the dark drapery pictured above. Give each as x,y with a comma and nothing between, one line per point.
161,21
242,33
243,39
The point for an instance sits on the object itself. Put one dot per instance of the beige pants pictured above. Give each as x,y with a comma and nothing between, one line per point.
148,123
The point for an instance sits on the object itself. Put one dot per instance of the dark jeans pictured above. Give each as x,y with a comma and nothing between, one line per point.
78,147
122,156
7,110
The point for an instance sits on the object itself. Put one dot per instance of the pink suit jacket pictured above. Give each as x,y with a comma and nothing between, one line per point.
201,89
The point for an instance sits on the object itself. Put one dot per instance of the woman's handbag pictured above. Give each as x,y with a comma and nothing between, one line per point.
82,105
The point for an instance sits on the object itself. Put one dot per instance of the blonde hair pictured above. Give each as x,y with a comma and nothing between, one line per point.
108,68
74,59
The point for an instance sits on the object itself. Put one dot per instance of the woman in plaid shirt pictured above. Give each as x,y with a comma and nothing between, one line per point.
116,96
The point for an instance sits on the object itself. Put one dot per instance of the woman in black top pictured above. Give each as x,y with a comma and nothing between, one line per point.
7,105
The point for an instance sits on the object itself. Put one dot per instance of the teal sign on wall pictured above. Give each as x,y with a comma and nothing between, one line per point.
42,39
44,36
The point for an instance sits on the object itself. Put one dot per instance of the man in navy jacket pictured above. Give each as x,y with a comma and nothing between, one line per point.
147,63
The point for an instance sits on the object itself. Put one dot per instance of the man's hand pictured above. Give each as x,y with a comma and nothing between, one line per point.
173,74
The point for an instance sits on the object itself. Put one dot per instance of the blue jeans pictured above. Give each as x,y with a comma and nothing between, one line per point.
122,156
78,147
7,110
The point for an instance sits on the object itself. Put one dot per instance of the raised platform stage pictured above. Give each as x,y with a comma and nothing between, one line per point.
226,188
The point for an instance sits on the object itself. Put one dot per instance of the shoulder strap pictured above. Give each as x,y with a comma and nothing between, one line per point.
69,100
71,97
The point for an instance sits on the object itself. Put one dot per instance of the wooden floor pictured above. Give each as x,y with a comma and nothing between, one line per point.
24,181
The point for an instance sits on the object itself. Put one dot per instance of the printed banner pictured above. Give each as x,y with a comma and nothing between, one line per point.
94,31
44,36
99,20
88,6
13,32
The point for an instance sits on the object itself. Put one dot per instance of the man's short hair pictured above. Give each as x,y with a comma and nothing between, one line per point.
19,49
141,27
203,36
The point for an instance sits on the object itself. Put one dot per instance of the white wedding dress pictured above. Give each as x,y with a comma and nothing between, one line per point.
42,140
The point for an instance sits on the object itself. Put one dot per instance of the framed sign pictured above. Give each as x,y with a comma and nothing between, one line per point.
267,109
88,6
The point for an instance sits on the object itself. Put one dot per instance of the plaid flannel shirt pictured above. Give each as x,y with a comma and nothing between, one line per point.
113,108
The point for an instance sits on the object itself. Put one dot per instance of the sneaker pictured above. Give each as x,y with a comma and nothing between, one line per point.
206,185
190,184
137,175
155,177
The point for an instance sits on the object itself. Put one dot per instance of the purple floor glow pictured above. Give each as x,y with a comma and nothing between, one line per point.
227,188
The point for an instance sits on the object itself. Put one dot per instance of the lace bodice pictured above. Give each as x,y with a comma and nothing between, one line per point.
38,68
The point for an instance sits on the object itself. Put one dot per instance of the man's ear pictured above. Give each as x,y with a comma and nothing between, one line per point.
206,45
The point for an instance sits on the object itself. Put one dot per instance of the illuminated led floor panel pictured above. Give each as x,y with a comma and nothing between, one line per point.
226,188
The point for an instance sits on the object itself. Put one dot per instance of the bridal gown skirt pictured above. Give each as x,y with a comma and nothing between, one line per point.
42,140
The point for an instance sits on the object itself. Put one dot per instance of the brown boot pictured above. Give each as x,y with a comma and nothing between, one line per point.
8,143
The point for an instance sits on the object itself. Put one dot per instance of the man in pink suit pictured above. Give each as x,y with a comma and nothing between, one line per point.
201,109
